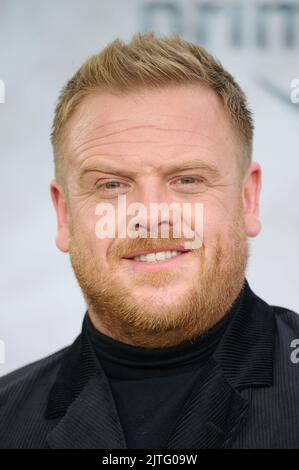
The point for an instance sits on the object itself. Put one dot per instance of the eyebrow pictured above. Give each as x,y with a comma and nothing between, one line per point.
188,165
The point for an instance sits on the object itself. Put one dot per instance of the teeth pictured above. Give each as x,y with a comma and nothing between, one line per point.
156,257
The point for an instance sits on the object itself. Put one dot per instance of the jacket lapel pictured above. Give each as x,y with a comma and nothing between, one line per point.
216,408
213,412
91,421
82,399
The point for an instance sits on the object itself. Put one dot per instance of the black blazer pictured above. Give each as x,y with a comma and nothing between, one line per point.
248,399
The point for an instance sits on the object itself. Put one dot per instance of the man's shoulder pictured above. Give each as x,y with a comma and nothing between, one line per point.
287,336
31,374
23,400
287,320
286,352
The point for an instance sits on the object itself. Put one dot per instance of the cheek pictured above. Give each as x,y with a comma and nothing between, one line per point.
222,227
215,224
99,249
84,220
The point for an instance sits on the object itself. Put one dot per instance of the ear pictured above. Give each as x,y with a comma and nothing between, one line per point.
62,215
251,199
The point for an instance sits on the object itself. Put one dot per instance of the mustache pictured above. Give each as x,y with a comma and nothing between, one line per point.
140,244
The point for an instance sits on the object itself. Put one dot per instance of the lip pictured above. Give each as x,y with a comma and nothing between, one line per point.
152,267
133,254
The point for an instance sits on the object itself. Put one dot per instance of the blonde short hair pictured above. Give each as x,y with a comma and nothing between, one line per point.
148,61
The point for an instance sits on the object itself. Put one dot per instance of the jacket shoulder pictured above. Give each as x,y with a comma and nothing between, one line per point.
30,372
23,401
287,347
287,320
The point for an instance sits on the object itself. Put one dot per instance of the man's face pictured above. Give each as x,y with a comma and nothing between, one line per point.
169,145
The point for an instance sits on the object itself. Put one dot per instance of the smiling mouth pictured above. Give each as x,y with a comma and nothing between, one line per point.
156,256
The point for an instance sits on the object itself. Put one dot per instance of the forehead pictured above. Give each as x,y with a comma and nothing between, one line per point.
150,125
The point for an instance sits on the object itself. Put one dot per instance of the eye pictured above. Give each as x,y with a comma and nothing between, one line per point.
187,180
189,183
110,187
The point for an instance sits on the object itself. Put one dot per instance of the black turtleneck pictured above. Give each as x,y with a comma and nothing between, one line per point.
150,386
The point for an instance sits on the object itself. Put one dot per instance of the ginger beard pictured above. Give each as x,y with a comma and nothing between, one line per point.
113,305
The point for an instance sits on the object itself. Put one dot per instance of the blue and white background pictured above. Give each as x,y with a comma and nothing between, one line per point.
42,43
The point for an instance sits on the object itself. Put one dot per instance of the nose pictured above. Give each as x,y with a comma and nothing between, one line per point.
155,212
